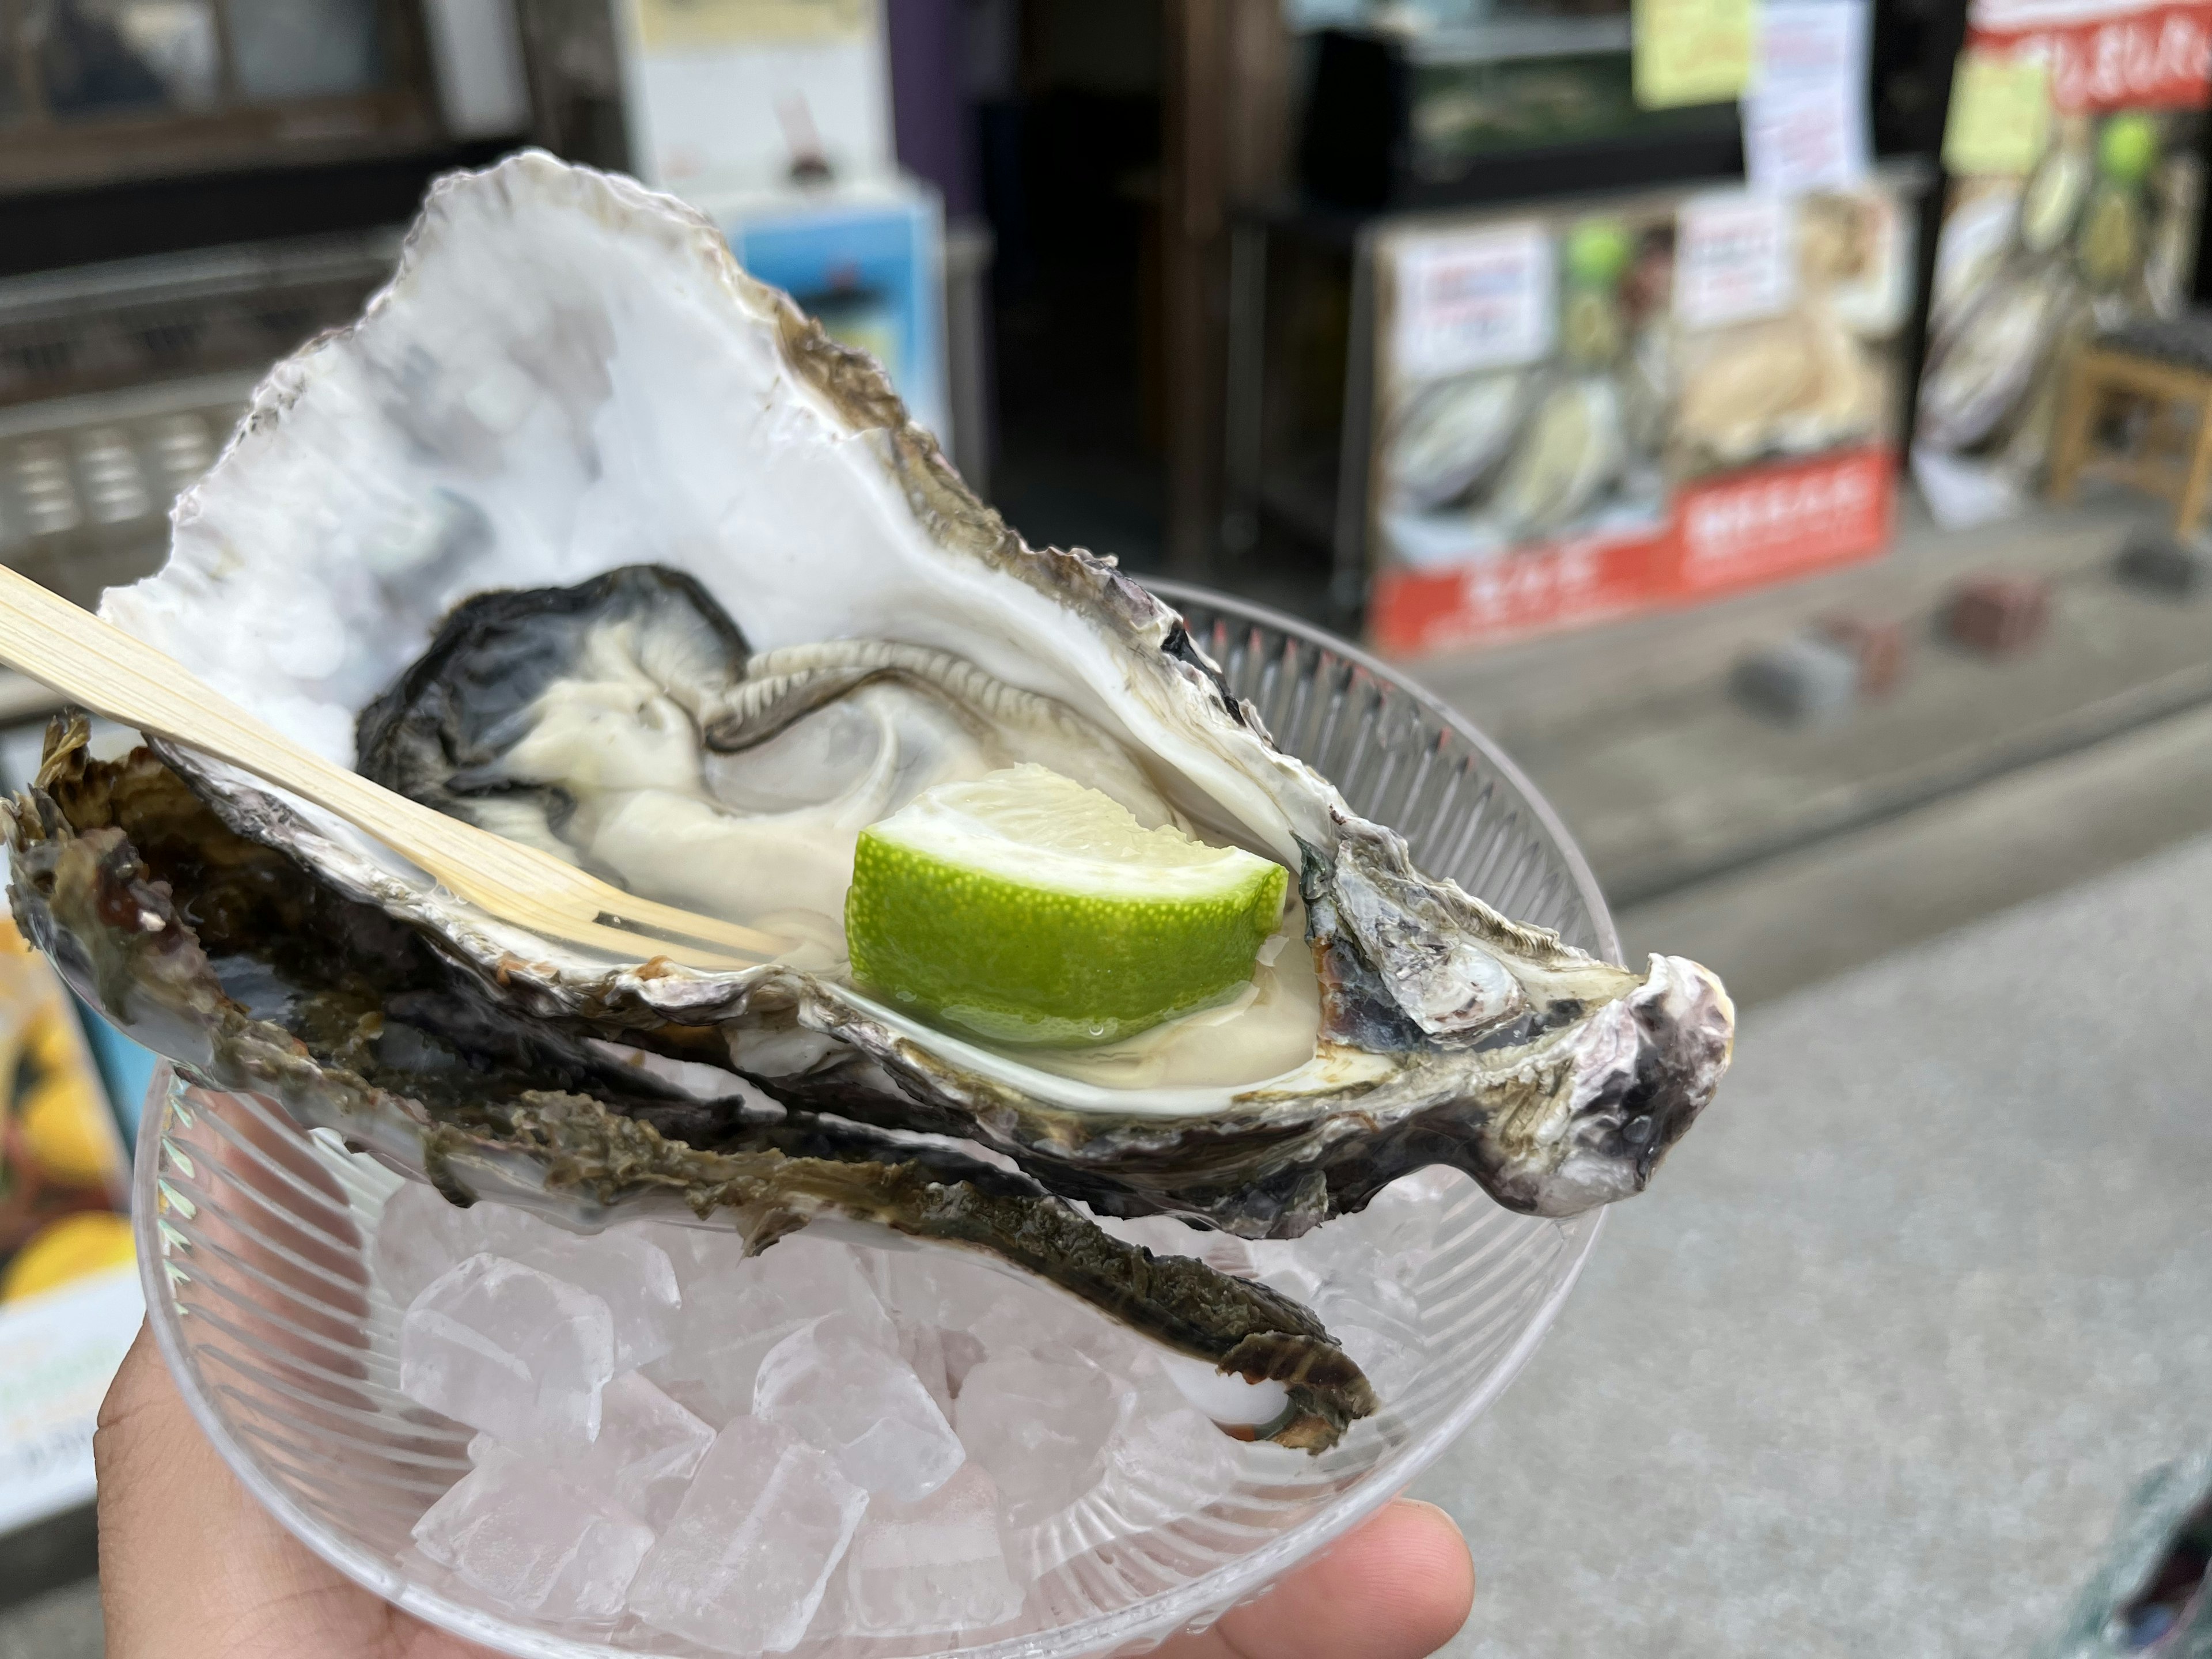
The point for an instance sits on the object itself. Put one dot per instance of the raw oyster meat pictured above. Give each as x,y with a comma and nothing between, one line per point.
1792,384
740,608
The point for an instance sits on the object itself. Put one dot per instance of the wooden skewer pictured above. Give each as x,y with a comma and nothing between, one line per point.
98,664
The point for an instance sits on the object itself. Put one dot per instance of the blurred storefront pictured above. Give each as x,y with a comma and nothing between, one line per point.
1679,381
1465,324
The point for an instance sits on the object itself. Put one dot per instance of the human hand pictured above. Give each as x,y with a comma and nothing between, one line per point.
191,1567
1398,1588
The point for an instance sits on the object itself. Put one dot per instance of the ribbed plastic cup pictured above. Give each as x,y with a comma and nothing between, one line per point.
253,1236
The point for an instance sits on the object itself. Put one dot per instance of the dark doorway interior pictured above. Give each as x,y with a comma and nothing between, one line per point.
1070,150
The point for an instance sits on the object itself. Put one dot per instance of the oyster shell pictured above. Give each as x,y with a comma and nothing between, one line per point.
726,553
2051,201
1978,372
1453,433
1574,446
272,981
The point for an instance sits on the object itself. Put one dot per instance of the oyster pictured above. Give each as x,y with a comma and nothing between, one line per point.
2051,201
1791,384
1454,432
1575,445
1977,373
583,534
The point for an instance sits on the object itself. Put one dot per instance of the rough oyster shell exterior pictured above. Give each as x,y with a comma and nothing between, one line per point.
570,374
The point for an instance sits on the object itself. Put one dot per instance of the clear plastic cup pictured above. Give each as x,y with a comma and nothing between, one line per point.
253,1238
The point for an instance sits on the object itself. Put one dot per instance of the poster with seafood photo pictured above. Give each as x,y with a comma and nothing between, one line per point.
1584,412
69,1292
2074,144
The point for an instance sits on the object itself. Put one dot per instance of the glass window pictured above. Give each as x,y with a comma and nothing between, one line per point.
95,57
177,40
287,49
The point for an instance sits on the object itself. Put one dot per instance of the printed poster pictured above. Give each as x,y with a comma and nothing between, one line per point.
759,95
1713,407
70,1301
2073,141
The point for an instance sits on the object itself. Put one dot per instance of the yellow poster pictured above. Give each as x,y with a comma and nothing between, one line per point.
2000,114
62,1168
1690,51
688,25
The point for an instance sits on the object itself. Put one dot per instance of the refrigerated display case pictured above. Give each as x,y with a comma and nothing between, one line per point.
1473,110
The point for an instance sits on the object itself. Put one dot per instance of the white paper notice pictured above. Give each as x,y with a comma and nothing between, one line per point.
58,1353
1735,259
1805,121
1478,298
725,95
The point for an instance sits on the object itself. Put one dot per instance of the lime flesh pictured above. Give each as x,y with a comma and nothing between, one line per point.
1027,909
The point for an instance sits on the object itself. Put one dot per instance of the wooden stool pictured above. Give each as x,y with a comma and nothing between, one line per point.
2168,362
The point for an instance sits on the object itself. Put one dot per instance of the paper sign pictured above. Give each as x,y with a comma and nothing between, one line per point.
2103,55
1805,115
1473,300
1735,259
728,95
682,25
58,1353
2000,114
1690,51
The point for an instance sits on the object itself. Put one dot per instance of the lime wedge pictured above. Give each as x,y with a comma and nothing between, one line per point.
1026,908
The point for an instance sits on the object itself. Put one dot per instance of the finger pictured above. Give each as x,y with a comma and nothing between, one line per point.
1398,1588
192,1567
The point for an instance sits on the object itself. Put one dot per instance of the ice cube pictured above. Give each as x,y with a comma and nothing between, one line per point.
743,1565
1344,1258
419,1236
1038,1426
415,1241
949,1289
632,1275
737,1310
1164,1461
1043,1321
1381,1329
923,1348
648,1449
698,1253
957,1290
833,1386
963,1354
1390,1242
922,1569
507,1349
1402,1220
523,1531
1281,1265
1165,1465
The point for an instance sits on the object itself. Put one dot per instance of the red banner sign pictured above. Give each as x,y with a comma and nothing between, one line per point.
1770,523
1733,531
1528,591
2106,58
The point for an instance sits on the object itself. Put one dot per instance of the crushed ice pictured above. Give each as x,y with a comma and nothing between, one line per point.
828,1440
